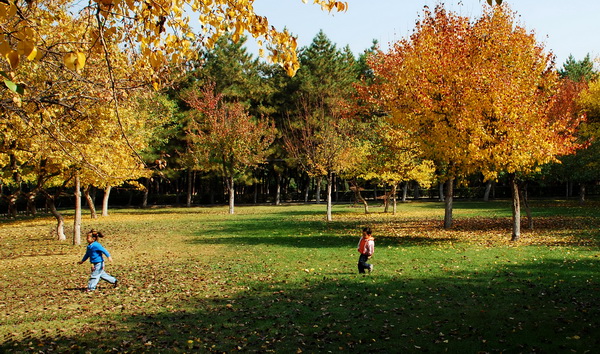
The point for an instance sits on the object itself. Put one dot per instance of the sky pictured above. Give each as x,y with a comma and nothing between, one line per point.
564,27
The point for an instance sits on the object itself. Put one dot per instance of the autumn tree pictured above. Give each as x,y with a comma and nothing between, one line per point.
476,96
227,137
160,31
422,83
393,159
582,167
578,93
324,144
523,123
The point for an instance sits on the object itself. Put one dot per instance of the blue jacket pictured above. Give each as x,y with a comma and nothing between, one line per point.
94,252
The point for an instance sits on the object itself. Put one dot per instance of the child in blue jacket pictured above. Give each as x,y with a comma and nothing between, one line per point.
95,252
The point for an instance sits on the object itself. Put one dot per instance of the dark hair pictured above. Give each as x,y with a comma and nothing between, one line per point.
96,233
367,230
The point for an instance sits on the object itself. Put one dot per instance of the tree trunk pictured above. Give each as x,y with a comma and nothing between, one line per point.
570,189
278,189
318,191
441,191
231,188
386,199
31,209
358,196
77,221
188,200
448,203
12,205
336,188
60,220
488,189
581,193
105,200
394,199
404,191
146,192
307,189
516,209
329,195
90,202
416,194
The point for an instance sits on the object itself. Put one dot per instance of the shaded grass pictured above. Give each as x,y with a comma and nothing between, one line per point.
281,279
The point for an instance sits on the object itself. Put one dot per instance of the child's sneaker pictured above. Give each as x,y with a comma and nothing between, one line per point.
370,268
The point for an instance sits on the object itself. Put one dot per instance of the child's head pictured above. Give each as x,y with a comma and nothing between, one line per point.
367,231
93,235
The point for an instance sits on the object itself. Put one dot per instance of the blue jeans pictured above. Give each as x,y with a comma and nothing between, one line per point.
362,263
97,274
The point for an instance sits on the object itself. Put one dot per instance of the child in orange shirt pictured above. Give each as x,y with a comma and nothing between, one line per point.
366,247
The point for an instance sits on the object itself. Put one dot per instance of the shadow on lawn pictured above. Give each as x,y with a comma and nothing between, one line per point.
307,233
548,306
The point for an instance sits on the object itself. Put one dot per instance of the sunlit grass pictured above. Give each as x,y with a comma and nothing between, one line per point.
283,279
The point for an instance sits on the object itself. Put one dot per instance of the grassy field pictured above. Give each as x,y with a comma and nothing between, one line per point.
281,279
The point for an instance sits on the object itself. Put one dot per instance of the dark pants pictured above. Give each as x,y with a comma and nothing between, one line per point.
362,263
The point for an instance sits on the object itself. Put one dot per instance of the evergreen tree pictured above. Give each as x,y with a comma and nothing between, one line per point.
319,137
578,70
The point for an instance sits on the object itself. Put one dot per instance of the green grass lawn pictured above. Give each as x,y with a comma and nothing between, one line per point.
282,279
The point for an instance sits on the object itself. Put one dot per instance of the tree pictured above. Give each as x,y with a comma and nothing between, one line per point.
323,143
578,71
320,133
524,123
583,166
476,96
422,82
227,137
394,159
161,30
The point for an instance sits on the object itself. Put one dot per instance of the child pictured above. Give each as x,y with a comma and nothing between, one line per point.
94,252
366,247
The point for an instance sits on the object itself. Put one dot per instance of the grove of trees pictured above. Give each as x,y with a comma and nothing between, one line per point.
125,97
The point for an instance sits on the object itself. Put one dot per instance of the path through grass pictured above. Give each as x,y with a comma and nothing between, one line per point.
282,279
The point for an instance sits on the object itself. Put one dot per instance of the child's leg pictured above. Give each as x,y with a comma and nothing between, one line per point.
362,263
109,278
95,276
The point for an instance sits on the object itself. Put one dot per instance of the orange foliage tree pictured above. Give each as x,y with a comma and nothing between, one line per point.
475,96
226,138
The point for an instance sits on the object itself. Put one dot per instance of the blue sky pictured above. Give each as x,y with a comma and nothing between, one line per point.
565,27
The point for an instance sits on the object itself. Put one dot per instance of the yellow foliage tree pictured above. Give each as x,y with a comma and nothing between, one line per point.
158,33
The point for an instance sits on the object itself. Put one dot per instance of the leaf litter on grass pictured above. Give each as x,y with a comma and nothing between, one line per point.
211,287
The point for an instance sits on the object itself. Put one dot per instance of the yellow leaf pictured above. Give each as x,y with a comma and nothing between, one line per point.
80,62
12,11
27,48
69,59
33,54
13,59
4,48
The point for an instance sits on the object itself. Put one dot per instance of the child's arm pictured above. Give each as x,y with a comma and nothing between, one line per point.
85,257
103,250
371,248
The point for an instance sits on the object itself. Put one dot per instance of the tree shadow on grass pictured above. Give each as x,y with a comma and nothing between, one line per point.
306,233
548,306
